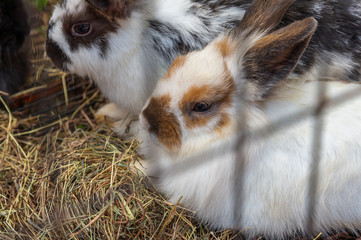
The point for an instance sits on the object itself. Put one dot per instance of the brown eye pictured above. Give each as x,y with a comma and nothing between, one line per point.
81,29
202,107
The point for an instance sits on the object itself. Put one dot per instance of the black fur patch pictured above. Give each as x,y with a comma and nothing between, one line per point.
13,23
14,28
99,4
114,9
338,32
169,42
217,5
14,72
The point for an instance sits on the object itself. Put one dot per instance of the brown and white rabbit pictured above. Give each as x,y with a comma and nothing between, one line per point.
126,46
14,30
243,84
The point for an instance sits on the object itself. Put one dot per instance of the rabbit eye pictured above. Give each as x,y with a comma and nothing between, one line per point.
202,107
81,29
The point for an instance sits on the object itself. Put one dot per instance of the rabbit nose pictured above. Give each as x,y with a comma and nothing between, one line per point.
149,123
153,129
144,124
59,58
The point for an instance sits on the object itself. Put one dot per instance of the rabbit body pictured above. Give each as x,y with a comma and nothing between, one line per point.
276,173
127,51
230,132
14,30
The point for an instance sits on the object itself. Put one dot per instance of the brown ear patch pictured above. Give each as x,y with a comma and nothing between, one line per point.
113,9
264,15
163,123
274,56
219,96
177,63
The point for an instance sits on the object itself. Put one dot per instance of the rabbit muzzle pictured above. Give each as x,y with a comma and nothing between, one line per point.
58,57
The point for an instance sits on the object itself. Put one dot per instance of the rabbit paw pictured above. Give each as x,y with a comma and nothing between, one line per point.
118,120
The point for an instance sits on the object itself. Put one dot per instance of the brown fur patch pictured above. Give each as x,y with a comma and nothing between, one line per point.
225,46
219,96
223,122
163,123
177,63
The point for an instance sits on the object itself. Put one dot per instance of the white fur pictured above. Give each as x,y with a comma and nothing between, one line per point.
276,176
355,9
318,7
75,6
272,198
175,13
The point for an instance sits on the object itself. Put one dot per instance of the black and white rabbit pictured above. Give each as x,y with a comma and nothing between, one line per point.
125,46
14,29
243,84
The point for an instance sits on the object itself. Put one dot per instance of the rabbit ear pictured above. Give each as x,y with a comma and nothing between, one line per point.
113,8
101,5
275,55
263,15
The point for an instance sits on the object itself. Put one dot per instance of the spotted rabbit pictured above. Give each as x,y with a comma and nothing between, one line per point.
212,138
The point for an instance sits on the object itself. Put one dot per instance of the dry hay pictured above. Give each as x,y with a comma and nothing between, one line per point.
76,184
62,176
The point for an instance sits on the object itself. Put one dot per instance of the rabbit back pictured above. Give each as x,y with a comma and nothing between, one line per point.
334,52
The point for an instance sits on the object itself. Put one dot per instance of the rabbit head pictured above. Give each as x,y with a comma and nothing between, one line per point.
197,103
103,40
81,31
